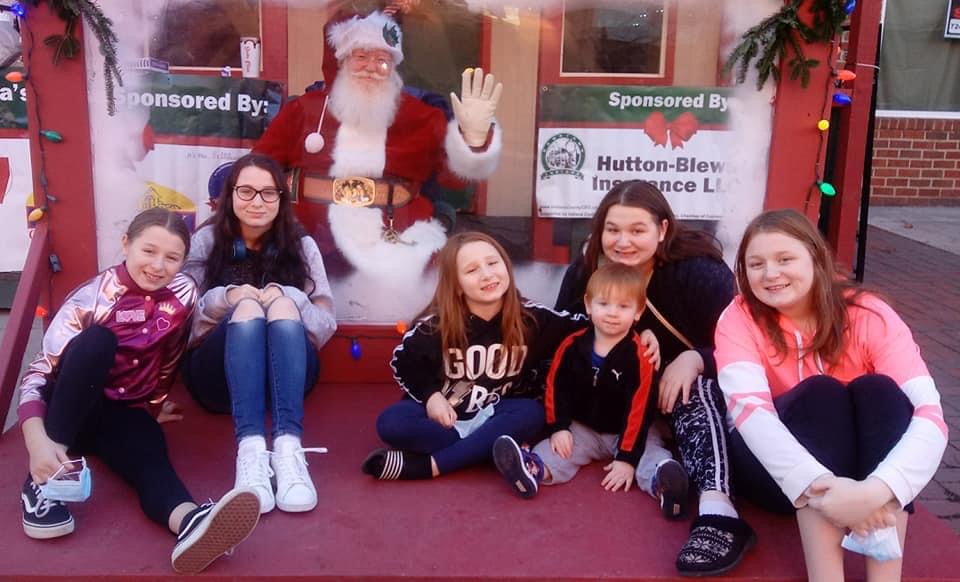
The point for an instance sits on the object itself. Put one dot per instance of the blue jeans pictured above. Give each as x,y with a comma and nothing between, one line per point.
242,366
405,426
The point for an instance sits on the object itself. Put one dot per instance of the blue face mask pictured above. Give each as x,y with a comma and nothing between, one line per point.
69,485
465,427
880,544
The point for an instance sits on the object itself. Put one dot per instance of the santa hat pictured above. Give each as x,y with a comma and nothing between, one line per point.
374,31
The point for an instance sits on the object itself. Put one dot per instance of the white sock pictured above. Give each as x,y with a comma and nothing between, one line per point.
286,442
254,443
714,507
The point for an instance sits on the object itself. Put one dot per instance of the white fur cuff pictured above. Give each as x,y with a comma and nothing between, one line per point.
467,163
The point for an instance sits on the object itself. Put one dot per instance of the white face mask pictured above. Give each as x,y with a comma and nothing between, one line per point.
466,427
67,485
881,544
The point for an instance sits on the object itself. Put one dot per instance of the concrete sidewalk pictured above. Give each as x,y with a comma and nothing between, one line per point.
937,226
923,283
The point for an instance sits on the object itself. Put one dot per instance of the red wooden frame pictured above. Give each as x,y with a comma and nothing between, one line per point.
16,334
862,46
61,92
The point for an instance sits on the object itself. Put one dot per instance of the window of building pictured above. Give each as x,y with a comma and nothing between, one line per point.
202,34
919,68
614,41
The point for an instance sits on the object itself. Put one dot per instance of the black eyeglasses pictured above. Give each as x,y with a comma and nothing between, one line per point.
247,193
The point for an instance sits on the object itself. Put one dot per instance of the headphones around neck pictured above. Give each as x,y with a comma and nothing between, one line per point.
240,251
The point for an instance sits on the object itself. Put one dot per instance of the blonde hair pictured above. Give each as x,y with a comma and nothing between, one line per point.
617,279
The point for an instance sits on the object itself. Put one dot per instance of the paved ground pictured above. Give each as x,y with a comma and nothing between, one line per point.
923,282
936,226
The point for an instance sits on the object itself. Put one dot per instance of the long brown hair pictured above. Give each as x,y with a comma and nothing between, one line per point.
680,241
832,292
286,263
450,307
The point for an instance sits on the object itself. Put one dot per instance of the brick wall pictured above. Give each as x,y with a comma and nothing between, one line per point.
916,162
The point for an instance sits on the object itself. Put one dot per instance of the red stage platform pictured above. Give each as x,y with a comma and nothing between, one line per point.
465,526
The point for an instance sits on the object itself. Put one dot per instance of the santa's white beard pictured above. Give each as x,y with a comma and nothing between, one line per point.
364,108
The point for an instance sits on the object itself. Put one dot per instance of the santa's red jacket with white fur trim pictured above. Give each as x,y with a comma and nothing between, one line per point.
419,143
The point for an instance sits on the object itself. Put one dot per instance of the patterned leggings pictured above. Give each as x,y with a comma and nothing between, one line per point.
699,428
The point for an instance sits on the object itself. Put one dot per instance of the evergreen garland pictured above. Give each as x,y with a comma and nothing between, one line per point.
67,45
778,37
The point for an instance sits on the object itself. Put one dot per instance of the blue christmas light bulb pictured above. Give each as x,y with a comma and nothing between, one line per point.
841,99
850,6
355,352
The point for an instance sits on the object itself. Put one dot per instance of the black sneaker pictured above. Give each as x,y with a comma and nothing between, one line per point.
670,486
43,518
522,469
214,529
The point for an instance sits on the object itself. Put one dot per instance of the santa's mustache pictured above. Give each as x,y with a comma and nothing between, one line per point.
369,75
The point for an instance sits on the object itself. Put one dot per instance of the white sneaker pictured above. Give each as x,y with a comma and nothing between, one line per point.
253,472
295,490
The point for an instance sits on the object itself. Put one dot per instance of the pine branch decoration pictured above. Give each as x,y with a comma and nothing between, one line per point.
778,37
68,46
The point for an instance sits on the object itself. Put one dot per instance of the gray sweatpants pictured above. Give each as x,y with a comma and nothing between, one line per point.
590,445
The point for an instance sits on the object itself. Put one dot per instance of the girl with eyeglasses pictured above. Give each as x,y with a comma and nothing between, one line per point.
265,310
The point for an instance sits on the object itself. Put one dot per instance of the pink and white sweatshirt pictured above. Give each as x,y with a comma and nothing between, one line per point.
751,375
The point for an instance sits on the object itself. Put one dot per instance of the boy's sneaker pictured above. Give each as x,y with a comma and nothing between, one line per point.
43,518
670,485
522,469
214,529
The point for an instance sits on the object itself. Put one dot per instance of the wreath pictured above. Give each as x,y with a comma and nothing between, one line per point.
67,45
782,35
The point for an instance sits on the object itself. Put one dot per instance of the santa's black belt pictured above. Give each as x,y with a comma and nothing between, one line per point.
355,190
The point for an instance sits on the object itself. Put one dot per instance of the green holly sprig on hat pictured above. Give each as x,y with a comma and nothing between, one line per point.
391,35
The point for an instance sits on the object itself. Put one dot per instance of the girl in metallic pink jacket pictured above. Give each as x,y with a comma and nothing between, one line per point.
108,359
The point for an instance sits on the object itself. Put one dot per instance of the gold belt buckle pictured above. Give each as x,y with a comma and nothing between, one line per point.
354,191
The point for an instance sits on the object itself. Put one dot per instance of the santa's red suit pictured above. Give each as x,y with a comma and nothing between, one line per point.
419,144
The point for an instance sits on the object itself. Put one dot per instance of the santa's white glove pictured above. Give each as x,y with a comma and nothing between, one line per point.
474,110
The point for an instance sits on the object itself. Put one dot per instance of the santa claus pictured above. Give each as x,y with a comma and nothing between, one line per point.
360,149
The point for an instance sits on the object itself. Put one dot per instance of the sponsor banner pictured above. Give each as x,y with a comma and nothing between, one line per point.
675,137
189,105
623,104
576,168
13,102
16,200
952,29
199,105
172,176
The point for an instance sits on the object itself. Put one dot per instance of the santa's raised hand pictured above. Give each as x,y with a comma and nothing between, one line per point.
475,108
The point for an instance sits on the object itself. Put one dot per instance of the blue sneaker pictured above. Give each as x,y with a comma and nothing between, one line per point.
522,468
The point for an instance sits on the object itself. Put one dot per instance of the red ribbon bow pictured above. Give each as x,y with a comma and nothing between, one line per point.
682,129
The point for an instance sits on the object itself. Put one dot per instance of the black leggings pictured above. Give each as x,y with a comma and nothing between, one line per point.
848,429
127,439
